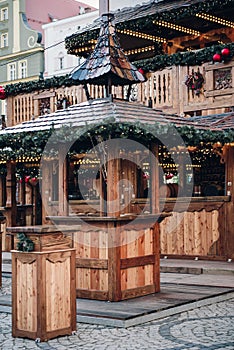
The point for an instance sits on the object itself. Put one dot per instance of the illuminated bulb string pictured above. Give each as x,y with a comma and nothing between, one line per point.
177,27
130,33
214,19
142,35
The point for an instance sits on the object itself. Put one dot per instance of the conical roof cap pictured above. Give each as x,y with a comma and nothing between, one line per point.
107,64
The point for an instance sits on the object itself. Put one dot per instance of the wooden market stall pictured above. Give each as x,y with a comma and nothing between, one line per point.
195,224
195,197
117,251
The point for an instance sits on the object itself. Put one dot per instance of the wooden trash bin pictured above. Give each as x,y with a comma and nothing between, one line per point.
43,288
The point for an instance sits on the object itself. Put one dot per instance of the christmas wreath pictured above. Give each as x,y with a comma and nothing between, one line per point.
194,82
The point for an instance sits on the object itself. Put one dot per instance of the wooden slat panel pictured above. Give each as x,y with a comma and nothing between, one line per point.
137,261
92,263
56,276
194,233
136,292
90,294
26,285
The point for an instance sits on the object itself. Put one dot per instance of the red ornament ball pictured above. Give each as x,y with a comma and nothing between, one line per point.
217,57
27,178
2,93
141,70
225,52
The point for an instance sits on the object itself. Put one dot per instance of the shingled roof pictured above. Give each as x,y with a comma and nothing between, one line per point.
101,111
137,27
107,65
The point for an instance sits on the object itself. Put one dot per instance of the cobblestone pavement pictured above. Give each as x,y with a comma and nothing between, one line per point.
208,327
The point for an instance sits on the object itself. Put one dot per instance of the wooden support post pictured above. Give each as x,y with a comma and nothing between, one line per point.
113,179
114,273
102,189
229,241
10,111
154,199
11,208
2,191
46,185
63,184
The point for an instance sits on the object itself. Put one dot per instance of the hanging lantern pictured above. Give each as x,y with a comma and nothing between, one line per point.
225,52
2,93
217,57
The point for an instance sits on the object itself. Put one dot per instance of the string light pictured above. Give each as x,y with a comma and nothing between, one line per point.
142,35
214,19
177,27
139,50
130,33
84,49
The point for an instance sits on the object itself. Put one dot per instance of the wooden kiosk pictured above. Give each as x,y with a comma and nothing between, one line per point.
117,251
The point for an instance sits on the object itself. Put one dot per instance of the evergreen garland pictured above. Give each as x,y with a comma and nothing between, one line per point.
190,58
33,144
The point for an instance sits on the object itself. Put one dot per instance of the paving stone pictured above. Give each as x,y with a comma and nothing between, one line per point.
208,328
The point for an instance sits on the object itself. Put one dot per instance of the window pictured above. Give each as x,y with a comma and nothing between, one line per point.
11,71
23,69
61,61
4,40
4,14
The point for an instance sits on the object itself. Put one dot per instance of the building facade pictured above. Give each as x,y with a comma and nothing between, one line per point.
57,61
22,36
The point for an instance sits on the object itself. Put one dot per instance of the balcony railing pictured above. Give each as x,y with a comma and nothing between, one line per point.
164,90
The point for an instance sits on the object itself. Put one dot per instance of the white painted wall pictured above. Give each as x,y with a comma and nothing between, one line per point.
56,32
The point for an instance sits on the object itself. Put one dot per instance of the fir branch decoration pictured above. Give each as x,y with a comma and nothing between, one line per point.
21,145
24,244
190,58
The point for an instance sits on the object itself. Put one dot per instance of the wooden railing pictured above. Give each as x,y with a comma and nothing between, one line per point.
164,90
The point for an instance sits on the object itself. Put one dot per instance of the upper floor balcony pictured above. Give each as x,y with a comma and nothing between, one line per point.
182,90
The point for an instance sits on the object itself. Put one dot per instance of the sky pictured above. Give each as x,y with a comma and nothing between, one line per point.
93,3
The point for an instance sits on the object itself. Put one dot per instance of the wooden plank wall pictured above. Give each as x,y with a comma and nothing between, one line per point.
194,233
91,263
136,268
137,260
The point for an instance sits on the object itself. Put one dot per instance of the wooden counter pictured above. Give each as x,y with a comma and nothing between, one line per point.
116,258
